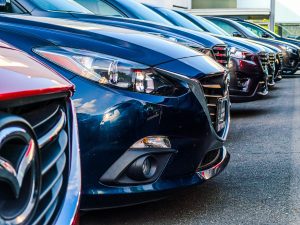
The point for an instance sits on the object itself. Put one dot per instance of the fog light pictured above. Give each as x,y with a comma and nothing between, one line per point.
143,168
147,167
152,142
243,82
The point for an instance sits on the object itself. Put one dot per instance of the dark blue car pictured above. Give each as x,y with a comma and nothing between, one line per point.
244,86
159,26
153,115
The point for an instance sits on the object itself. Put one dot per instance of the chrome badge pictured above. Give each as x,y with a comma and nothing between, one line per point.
19,173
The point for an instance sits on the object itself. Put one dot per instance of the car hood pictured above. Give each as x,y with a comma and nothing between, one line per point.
146,26
241,44
269,47
123,43
275,43
197,65
291,41
23,76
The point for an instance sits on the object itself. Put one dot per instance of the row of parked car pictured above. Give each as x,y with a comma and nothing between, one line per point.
153,86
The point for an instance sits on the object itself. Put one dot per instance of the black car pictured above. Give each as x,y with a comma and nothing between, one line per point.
291,56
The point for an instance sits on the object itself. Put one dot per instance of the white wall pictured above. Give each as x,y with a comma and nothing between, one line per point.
254,4
287,11
168,3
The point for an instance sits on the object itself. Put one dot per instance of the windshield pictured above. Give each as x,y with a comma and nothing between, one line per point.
259,28
143,13
209,26
245,30
178,20
61,6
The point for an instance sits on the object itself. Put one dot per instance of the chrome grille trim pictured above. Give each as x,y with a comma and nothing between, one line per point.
51,128
197,90
51,134
54,194
54,176
264,60
221,54
272,58
56,150
212,87
52,114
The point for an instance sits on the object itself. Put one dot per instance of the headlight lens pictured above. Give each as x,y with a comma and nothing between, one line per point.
187,43
288,49
239,54
108,70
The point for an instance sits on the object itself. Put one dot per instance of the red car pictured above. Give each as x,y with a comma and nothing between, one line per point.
39,154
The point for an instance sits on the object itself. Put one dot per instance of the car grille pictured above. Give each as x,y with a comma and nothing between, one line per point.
272,59
214,89
280,56
264,60
49,122
221,54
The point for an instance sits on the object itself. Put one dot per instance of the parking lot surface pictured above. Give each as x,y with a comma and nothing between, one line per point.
261,184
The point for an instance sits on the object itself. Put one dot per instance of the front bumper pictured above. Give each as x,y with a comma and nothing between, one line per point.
185,120
247,80
111,197
291,62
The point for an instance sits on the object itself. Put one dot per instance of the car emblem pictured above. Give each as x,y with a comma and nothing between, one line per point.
19,173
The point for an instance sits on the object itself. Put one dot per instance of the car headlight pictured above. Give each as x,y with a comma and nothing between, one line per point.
190,44
291,50
287,49
108,70
239,54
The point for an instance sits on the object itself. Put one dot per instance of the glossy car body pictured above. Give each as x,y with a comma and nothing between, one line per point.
206,25
111,120
291,56
249,76
198,41
49,171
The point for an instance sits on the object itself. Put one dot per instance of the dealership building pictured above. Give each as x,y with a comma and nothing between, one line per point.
284,12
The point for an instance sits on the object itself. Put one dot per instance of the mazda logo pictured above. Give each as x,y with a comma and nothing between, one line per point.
19,171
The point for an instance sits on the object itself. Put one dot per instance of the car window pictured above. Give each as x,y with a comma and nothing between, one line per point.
100,8
11,8
209,26
256,30
61,6
139,11
225,26
178,20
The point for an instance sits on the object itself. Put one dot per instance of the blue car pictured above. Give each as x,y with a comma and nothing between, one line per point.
153,115
244,86
159,26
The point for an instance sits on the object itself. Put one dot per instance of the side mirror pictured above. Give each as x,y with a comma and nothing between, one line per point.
236,34
3,3
265,35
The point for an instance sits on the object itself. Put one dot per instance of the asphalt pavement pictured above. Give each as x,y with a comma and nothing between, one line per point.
261,184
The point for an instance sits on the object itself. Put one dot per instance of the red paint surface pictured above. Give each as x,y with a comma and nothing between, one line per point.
23,76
